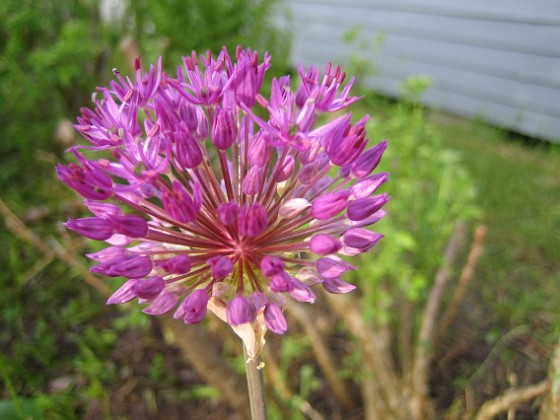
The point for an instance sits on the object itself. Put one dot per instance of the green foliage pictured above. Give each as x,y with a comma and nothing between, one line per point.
431,190
178,27
49,53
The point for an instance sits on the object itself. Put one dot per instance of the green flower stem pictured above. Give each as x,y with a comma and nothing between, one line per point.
256,388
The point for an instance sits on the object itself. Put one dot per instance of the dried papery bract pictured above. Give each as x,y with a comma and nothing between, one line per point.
204,204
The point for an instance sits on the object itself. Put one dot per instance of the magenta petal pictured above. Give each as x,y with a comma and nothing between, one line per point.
337,286
227,213
161,304
281,283
271,265
131,226
361,239
302,292
134,267
369,160
252,220
293,207
331,267
188,152
258,300
179,264
149,288
224,129
323,244
253,181
239,311
195,306
286,170
101,209
92,227
124,294
367,186
111,253
362,208
274,318
329,205
220,266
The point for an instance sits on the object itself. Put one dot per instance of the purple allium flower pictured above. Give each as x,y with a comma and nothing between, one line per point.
205,203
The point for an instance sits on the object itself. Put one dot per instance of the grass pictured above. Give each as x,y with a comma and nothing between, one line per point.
49,319
519,191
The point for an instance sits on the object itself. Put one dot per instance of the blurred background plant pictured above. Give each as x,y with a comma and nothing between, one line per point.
415,330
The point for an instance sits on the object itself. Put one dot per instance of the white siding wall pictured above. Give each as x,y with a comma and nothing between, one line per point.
495,59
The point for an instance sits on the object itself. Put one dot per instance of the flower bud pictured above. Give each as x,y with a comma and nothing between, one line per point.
220,266
274,318
92,227
195,306
239,311
148,288
363,208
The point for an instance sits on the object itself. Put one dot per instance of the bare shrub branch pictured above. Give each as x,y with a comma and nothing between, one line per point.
424,344
511,399
322,353
464,278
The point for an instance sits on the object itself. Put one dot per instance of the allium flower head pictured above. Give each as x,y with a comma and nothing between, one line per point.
201,199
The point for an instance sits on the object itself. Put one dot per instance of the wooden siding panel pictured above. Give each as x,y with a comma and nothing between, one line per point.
503,65
539,12
512,36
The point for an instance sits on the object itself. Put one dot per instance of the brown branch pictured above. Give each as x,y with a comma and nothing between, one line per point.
551,405
323,356
511,399
465,277
19,228
200,351
377,359
424,345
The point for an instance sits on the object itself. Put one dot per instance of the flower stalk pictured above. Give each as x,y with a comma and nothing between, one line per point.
255,386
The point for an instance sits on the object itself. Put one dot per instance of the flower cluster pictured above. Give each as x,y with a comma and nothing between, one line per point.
202,199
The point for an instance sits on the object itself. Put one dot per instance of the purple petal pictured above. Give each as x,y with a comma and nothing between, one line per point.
367,186
337,286
369,160
161,304
302,292
331,267
135,267
323,244
102,209
92,227
179,264
227,213
329,205
253,181
131,226
361,239
239,311
293,207
252,220
274,318
281,283
149,288
220,266
111,253
195,306
362,208
124,294
271,265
